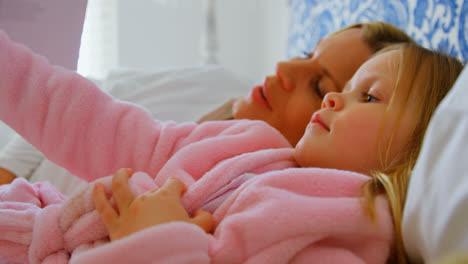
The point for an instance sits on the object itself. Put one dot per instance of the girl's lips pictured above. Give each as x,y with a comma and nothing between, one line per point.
258,95
317,119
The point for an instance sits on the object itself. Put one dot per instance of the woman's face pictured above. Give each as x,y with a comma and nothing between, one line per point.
288,99
346,132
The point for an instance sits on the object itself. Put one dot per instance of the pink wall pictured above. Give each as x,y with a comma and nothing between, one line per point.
49,27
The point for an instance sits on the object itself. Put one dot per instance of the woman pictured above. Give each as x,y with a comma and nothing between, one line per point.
330,64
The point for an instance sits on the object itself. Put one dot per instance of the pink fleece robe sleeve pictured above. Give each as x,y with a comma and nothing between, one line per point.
92,135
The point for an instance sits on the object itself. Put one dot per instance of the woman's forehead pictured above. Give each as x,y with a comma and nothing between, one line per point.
342,54
341,39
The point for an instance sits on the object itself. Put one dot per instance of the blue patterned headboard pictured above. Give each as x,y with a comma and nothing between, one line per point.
436,24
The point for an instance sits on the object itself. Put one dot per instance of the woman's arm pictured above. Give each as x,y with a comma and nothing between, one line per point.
70,120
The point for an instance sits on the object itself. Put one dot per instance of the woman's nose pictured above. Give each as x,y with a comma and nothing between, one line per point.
333,101
291,73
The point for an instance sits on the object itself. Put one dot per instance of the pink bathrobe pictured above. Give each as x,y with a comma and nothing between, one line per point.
282,214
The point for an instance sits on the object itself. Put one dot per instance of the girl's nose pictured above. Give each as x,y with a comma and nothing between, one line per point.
333,101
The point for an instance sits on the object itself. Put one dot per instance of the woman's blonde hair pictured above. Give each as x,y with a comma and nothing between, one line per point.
436,73
378,34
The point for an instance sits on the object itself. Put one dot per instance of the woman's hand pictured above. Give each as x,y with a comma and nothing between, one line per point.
6,176
149,209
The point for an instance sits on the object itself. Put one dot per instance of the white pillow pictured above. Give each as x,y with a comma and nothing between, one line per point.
436,212
181,94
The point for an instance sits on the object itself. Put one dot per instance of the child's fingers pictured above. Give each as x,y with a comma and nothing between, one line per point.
174,185
106,211
204,220
123,196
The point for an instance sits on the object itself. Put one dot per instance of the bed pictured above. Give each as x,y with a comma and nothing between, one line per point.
434,203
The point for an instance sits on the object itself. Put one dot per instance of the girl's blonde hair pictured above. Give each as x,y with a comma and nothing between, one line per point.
378,34
436,73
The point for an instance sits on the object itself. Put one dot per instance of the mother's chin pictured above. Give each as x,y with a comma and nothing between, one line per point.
246,108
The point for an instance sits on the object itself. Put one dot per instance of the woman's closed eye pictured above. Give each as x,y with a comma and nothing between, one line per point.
317,88
307,55
318,84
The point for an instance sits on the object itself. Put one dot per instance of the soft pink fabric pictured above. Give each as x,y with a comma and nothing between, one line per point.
283,215
20,203
293,215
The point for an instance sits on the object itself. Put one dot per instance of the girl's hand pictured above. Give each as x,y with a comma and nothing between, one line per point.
149,209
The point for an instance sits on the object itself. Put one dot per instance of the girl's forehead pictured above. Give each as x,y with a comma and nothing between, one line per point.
381,63
381,67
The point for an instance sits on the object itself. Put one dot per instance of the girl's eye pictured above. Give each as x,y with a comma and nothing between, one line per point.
370,99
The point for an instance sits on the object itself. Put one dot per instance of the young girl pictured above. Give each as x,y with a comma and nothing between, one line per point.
375,127
284,215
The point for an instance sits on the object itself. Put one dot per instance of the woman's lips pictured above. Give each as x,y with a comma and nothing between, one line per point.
258,95
317,119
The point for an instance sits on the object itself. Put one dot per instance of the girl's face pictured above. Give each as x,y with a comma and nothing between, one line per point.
287,99
345,133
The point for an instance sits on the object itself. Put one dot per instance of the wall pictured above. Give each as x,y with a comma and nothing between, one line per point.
275,35
151,35
252,34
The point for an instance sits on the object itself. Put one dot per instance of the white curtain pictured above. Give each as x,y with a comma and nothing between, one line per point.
99,50
209,40
99,45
